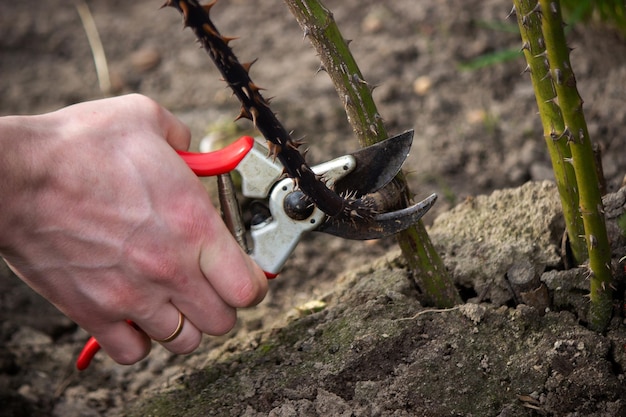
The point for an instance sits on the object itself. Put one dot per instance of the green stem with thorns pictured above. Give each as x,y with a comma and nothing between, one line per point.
356,94
572,131
337,60
584,164
553,125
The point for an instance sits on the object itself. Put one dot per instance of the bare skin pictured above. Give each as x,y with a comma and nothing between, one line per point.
103,218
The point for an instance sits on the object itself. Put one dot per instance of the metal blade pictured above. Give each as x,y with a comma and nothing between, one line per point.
376,165
382,225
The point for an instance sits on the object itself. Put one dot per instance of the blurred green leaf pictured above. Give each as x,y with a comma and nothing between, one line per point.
491,59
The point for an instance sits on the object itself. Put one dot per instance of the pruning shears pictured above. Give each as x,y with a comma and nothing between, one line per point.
281,213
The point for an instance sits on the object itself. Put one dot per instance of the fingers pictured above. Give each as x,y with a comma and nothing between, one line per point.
170,327
205,310
129,343
234,276
123,343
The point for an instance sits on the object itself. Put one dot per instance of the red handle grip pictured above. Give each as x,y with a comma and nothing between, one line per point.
218,162
87,354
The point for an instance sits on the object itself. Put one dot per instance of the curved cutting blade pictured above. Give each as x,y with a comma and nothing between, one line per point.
376,165
383,225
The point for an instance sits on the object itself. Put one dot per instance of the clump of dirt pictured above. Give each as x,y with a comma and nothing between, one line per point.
476,131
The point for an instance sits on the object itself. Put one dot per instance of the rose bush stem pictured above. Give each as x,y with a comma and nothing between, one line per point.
553,125
355,93
561,110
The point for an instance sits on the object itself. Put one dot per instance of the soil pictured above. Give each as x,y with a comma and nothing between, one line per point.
476,131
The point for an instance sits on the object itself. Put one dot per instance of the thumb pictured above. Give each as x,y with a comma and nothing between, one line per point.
236,278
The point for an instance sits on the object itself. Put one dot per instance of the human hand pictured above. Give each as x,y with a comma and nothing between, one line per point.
106,221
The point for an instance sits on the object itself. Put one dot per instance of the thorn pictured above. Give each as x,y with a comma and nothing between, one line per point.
293,145
273,150
536,9
554,100
554,8
227,39
320,69
306,32
525,21
525,47
254,113
527,69
558,76
567,133
511,13
207,7
554,136
593,243
252,86
357,79
168,3
248,65
184,10
243,114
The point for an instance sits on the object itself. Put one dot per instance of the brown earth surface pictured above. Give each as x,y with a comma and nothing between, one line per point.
476,131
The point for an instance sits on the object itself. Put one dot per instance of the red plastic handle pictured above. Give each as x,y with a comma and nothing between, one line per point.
87,354
218,162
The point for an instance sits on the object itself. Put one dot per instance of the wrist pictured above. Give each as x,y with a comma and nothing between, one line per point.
22,168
